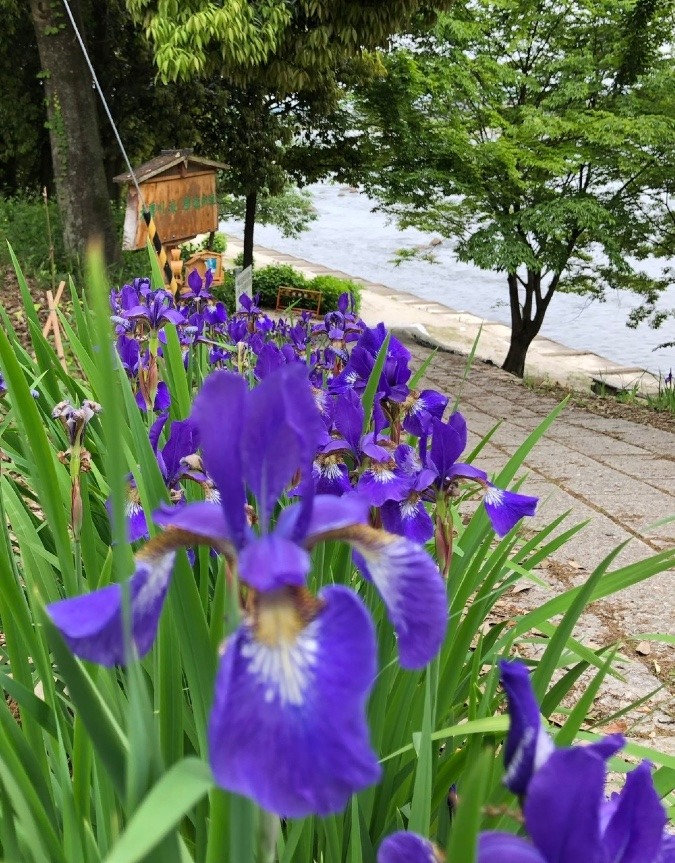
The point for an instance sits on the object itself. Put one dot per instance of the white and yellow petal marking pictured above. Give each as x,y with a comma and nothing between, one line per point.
281,652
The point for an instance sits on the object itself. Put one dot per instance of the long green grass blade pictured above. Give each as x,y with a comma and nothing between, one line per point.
176,793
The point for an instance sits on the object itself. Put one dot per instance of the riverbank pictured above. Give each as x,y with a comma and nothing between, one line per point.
434,324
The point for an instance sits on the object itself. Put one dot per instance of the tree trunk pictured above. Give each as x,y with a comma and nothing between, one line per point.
249,227
77,157
526,320
515,358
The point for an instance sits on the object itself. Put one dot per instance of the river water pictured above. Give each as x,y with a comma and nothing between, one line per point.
349,236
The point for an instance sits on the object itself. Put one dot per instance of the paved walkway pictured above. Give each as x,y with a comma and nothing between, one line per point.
615,473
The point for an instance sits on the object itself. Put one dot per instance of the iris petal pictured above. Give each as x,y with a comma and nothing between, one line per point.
506,508
405,847
635,831
91,624
411,587
329,514
273,561
408,517
276,442
219,412
203,519
447,443
562,806
505,848
288,725
527,744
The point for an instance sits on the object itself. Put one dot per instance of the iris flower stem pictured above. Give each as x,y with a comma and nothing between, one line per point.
77,554
268,832
219,828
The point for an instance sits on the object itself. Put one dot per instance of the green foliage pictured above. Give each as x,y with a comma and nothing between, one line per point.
111,763
518,130
331,287
267,281
23,223
287,48
291,210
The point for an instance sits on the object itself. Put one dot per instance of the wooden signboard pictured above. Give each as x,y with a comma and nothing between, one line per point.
179,189
243,284
204,261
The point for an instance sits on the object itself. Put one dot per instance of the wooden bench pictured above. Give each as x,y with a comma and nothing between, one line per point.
299,300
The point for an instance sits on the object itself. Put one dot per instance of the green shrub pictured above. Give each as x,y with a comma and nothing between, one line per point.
331,287
267,280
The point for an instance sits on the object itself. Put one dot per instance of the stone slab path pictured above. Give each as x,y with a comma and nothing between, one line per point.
614,473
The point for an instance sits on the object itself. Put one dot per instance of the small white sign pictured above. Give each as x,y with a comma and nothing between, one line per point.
243,284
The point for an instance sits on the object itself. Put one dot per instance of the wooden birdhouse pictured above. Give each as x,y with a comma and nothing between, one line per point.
203,261
179,189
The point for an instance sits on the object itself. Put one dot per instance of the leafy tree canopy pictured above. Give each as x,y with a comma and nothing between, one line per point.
536,133
289,46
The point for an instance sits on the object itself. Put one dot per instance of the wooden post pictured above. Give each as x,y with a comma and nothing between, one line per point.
53,323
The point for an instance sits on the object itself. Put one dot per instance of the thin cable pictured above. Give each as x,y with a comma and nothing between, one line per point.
105,104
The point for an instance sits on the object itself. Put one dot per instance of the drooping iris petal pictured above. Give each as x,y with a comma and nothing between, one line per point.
405,847
506,848
349,418
411,588
272,562
91,624
635,831
183,441
331,475
288,725
528,745
506,508
607,746
467,471
562,807
419,410
408,517
383,481
219,412
137,525
667,853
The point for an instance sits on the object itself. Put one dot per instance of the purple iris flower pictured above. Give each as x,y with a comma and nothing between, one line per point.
249,305
215,316
448,442
567,815
183,441
157,310
3,389
393,383
528,746
288,725
405,847
419,408
129,353
506,508
198,288
408,515
162,399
